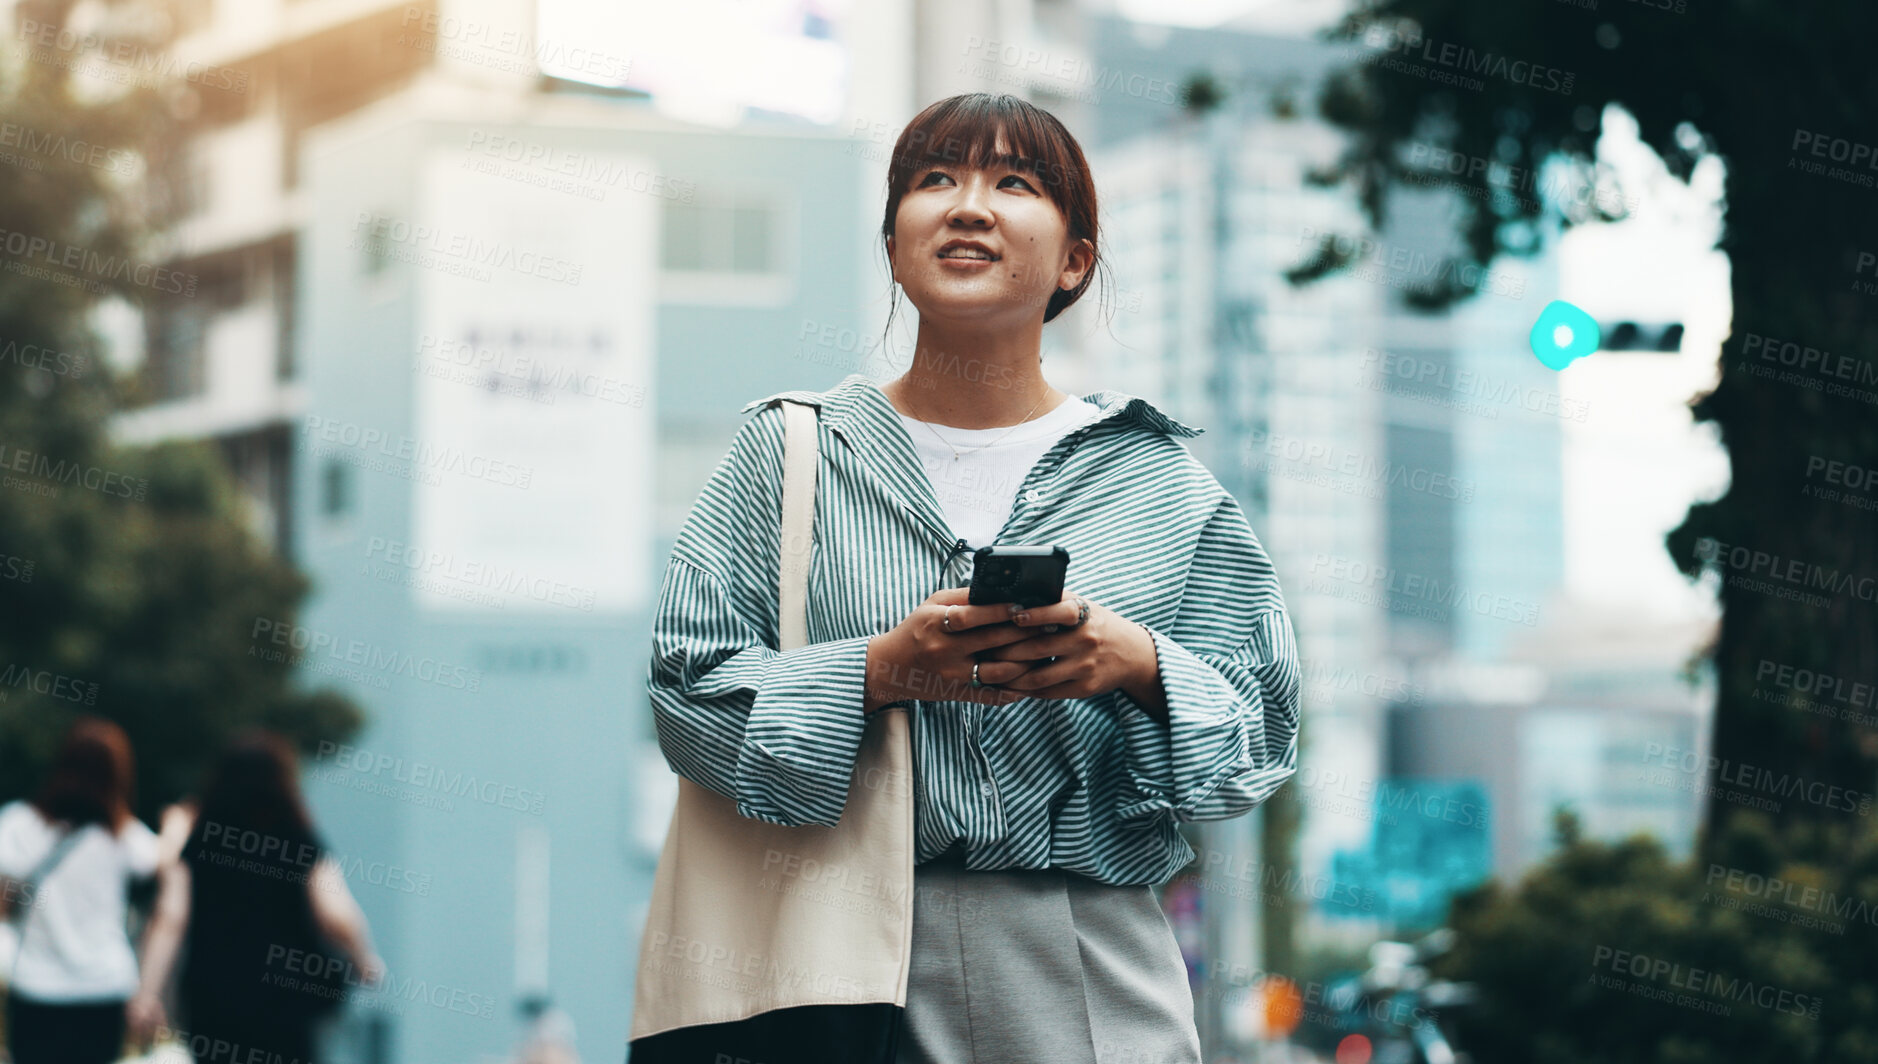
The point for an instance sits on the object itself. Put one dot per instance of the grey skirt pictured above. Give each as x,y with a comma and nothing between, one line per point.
1042,967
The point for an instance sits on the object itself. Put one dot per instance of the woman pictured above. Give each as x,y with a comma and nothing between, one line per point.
254,895
74,969
1055,748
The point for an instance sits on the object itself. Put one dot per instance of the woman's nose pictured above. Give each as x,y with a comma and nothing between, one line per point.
973,206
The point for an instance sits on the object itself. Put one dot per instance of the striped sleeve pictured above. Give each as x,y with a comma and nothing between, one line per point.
1229,666
778,732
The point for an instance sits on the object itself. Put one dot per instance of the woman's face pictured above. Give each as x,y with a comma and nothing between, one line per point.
982,245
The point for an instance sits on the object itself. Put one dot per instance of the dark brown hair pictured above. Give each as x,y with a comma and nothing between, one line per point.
963,130
92,777
255,785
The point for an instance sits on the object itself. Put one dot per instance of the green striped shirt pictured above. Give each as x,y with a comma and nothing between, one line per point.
1091,785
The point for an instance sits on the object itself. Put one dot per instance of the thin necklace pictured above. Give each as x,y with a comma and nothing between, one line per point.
957,454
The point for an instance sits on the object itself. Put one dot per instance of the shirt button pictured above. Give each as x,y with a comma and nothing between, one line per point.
985,789
1032,495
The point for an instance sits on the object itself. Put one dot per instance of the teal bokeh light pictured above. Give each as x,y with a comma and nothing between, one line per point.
1563,334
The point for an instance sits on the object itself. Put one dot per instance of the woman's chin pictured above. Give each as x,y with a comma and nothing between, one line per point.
948,303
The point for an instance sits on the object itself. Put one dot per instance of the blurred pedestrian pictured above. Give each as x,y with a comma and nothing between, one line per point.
264,911
69,856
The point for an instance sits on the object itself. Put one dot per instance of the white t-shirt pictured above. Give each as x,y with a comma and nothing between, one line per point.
74,946
977,488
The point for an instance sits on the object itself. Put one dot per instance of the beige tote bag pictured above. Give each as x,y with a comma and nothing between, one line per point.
749,916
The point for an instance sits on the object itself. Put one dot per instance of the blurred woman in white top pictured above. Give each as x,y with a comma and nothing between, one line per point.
74,968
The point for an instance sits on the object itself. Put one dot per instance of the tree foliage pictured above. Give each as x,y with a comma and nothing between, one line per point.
130,578
1784,96
1612,952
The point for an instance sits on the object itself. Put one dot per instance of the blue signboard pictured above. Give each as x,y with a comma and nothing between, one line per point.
1431,839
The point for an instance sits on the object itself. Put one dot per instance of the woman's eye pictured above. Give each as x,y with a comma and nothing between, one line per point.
934,177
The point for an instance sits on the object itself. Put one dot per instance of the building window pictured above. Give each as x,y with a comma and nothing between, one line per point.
174,367
191,188
375,245
750,240
738,238
282,287
729,251
335,489
683,246
1421,537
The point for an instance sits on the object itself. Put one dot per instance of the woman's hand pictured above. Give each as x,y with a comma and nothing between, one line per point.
922,658
371,969
143,1016
1107,652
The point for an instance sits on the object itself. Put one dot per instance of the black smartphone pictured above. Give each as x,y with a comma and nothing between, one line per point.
1028,576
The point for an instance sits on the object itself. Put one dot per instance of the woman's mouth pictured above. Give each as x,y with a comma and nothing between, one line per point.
967,253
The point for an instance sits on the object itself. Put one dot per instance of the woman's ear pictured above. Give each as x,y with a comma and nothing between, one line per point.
1081,260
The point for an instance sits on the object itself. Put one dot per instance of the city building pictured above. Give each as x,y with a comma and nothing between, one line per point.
476,318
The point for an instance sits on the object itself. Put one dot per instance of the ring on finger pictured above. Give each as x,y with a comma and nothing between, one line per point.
1082,611
976,682
946,621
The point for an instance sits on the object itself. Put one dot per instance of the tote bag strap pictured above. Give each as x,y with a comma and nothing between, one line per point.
715,887
800,453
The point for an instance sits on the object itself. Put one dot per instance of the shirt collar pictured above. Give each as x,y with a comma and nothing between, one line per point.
862,416
857,404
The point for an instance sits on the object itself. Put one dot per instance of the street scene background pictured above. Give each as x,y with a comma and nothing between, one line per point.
359,361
